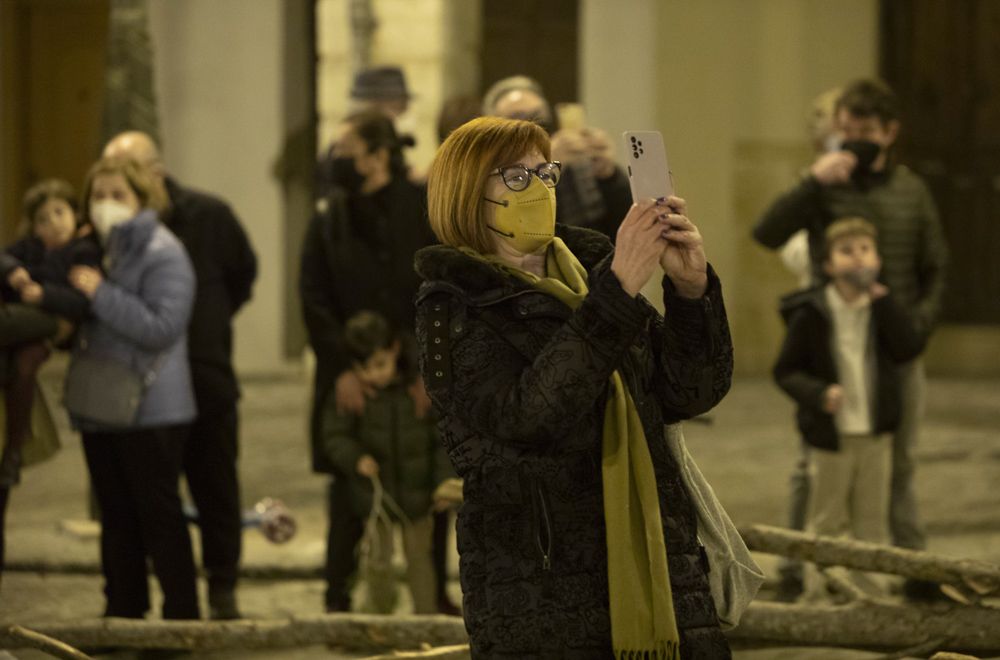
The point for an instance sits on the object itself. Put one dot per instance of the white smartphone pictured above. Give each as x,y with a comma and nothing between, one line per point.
648,170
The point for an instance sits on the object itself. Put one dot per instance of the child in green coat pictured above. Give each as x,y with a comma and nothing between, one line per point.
393,461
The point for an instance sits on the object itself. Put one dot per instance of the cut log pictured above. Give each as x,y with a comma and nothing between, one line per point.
861,624
83,567
868,624
366,632
457,652
860,555
45,644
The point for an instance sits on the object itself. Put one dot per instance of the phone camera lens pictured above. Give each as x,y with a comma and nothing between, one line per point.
633,140
635,155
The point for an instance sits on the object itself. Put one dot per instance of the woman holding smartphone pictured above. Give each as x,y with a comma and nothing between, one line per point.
554,378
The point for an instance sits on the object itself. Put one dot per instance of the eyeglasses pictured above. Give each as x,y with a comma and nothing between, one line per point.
518,177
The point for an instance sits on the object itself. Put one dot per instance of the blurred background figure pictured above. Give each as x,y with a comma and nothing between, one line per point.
134,447
379,89
226,267
392,461
862,178
454,112
594,190
358,254
823,132
39,304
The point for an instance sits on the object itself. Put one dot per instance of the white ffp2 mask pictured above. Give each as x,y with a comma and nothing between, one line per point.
108,214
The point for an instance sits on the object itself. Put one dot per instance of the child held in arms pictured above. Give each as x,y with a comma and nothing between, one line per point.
38,303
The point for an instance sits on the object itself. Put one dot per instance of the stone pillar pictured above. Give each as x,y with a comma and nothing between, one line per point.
129,96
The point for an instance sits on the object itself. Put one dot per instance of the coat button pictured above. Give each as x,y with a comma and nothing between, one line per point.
437,340
437,308
439,374
437,324
437,356
458,328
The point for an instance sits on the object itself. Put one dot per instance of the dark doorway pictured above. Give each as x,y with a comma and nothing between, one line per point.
52,83
943,59
537,39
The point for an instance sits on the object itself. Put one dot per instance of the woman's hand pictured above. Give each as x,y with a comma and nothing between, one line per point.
639,244
683,259
350,394
18,278
32,293
86,280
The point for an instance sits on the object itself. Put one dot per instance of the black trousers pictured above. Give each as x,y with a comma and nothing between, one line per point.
4,497
210,455
134,475
439,550
342,537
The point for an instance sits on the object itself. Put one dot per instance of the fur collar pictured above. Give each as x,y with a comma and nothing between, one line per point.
443,263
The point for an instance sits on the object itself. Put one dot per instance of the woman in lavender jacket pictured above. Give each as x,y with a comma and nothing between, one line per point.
140,309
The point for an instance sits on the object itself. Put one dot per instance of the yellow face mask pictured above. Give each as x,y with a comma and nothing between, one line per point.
526,219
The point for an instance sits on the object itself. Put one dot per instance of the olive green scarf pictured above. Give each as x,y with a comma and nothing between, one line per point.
642,608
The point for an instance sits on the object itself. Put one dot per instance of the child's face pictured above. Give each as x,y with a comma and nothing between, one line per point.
853,259
380,369
54,223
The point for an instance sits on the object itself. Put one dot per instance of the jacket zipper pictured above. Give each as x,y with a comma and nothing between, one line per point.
544,547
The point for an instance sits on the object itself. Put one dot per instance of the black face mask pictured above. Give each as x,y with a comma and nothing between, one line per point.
866,152
343,173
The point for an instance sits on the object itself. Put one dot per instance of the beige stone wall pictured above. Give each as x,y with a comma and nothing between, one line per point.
436,42
219,85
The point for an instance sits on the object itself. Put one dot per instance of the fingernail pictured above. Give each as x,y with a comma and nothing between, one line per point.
661,200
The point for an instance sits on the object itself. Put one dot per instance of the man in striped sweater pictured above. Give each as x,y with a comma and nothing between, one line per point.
861,179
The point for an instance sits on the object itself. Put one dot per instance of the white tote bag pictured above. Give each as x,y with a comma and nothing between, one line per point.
734,575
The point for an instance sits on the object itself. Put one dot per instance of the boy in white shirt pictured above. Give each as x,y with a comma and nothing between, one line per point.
838,361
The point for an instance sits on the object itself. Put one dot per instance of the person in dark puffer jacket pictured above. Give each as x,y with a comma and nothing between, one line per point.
545,365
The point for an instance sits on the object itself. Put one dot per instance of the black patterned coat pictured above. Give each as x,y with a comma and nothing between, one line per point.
520,382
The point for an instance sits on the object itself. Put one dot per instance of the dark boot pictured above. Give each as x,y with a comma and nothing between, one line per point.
222,605
10,467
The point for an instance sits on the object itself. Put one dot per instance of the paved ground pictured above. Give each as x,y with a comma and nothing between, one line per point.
746,452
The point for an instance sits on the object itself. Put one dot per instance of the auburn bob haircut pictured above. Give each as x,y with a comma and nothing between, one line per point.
456,182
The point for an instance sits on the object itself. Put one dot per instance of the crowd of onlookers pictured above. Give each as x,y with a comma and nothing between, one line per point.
140,276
